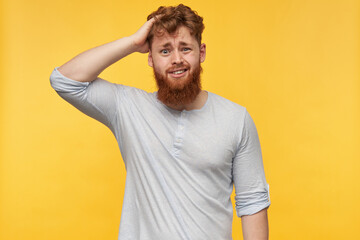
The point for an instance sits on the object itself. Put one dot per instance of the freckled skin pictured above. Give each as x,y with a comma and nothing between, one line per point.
174,52
191,57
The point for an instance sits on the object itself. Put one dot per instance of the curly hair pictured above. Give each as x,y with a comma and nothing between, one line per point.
170,18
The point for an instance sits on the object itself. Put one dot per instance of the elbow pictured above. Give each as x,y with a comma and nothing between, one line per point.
61,83
76,74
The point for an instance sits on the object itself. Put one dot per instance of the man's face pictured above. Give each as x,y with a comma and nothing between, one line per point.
176,62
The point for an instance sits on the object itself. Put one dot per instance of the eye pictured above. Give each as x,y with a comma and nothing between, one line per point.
164,51
186,49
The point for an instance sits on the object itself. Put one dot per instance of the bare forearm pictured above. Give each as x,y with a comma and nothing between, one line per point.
255,227
86,66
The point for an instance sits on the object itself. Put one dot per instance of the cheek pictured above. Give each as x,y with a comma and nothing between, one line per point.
159,64
193,60
159,69
194,63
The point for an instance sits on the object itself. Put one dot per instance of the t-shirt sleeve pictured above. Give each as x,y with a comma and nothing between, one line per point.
96,99
251,188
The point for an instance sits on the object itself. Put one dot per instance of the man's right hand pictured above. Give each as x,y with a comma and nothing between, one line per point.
139,38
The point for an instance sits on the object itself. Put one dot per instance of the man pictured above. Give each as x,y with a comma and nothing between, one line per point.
183,147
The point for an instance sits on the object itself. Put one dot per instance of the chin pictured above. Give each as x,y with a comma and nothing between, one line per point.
178,91
178,83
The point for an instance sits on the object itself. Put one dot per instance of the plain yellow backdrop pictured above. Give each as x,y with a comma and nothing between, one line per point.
294,64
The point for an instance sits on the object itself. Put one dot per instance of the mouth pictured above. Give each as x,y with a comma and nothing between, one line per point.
178,73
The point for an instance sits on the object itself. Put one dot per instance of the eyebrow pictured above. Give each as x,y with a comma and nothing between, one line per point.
168,44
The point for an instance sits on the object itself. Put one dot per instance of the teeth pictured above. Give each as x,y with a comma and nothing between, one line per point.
178,72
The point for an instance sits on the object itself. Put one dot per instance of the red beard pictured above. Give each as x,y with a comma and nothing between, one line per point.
185,92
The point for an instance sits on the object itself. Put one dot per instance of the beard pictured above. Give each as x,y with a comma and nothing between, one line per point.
178,92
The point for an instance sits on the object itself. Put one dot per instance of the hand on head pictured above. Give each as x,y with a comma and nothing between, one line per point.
140,37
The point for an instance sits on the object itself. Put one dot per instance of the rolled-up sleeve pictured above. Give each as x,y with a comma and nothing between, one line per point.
96,99
251,188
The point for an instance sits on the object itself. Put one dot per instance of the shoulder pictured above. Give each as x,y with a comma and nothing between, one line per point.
229,113
130,89
225,106
134,94
232,116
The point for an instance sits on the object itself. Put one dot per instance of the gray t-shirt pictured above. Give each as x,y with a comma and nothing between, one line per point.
181,165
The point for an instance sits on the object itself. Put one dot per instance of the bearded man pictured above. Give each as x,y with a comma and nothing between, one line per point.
183,147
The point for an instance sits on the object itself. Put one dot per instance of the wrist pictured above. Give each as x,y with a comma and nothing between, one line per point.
137,45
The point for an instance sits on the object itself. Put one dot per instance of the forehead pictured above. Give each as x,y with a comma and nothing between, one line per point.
181,35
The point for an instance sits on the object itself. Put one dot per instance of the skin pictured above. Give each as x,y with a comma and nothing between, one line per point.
255,227
86,66
178,51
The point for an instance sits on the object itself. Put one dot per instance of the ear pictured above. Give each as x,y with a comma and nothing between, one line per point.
202,52
150,59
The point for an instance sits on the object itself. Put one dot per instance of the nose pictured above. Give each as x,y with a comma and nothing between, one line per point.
176,58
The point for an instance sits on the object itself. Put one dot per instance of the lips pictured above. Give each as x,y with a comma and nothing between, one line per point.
177,73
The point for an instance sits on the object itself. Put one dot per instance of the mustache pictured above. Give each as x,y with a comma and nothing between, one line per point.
177,66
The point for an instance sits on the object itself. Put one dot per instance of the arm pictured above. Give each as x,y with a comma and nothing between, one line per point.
252,191
255,227
86,66
76,81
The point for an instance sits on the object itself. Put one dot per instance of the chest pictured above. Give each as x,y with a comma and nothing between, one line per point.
200,140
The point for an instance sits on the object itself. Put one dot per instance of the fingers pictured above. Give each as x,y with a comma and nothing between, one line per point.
151,21
146,28
139,38
148,24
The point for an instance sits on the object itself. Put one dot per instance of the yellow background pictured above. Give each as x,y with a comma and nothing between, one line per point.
293,63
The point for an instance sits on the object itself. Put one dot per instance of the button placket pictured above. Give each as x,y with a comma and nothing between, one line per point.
179,133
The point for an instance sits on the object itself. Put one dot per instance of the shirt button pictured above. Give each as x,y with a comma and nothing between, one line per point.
178,140
181,127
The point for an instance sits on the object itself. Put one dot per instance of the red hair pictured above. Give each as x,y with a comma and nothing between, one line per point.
170,18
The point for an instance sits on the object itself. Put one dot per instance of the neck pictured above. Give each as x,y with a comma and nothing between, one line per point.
198,103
